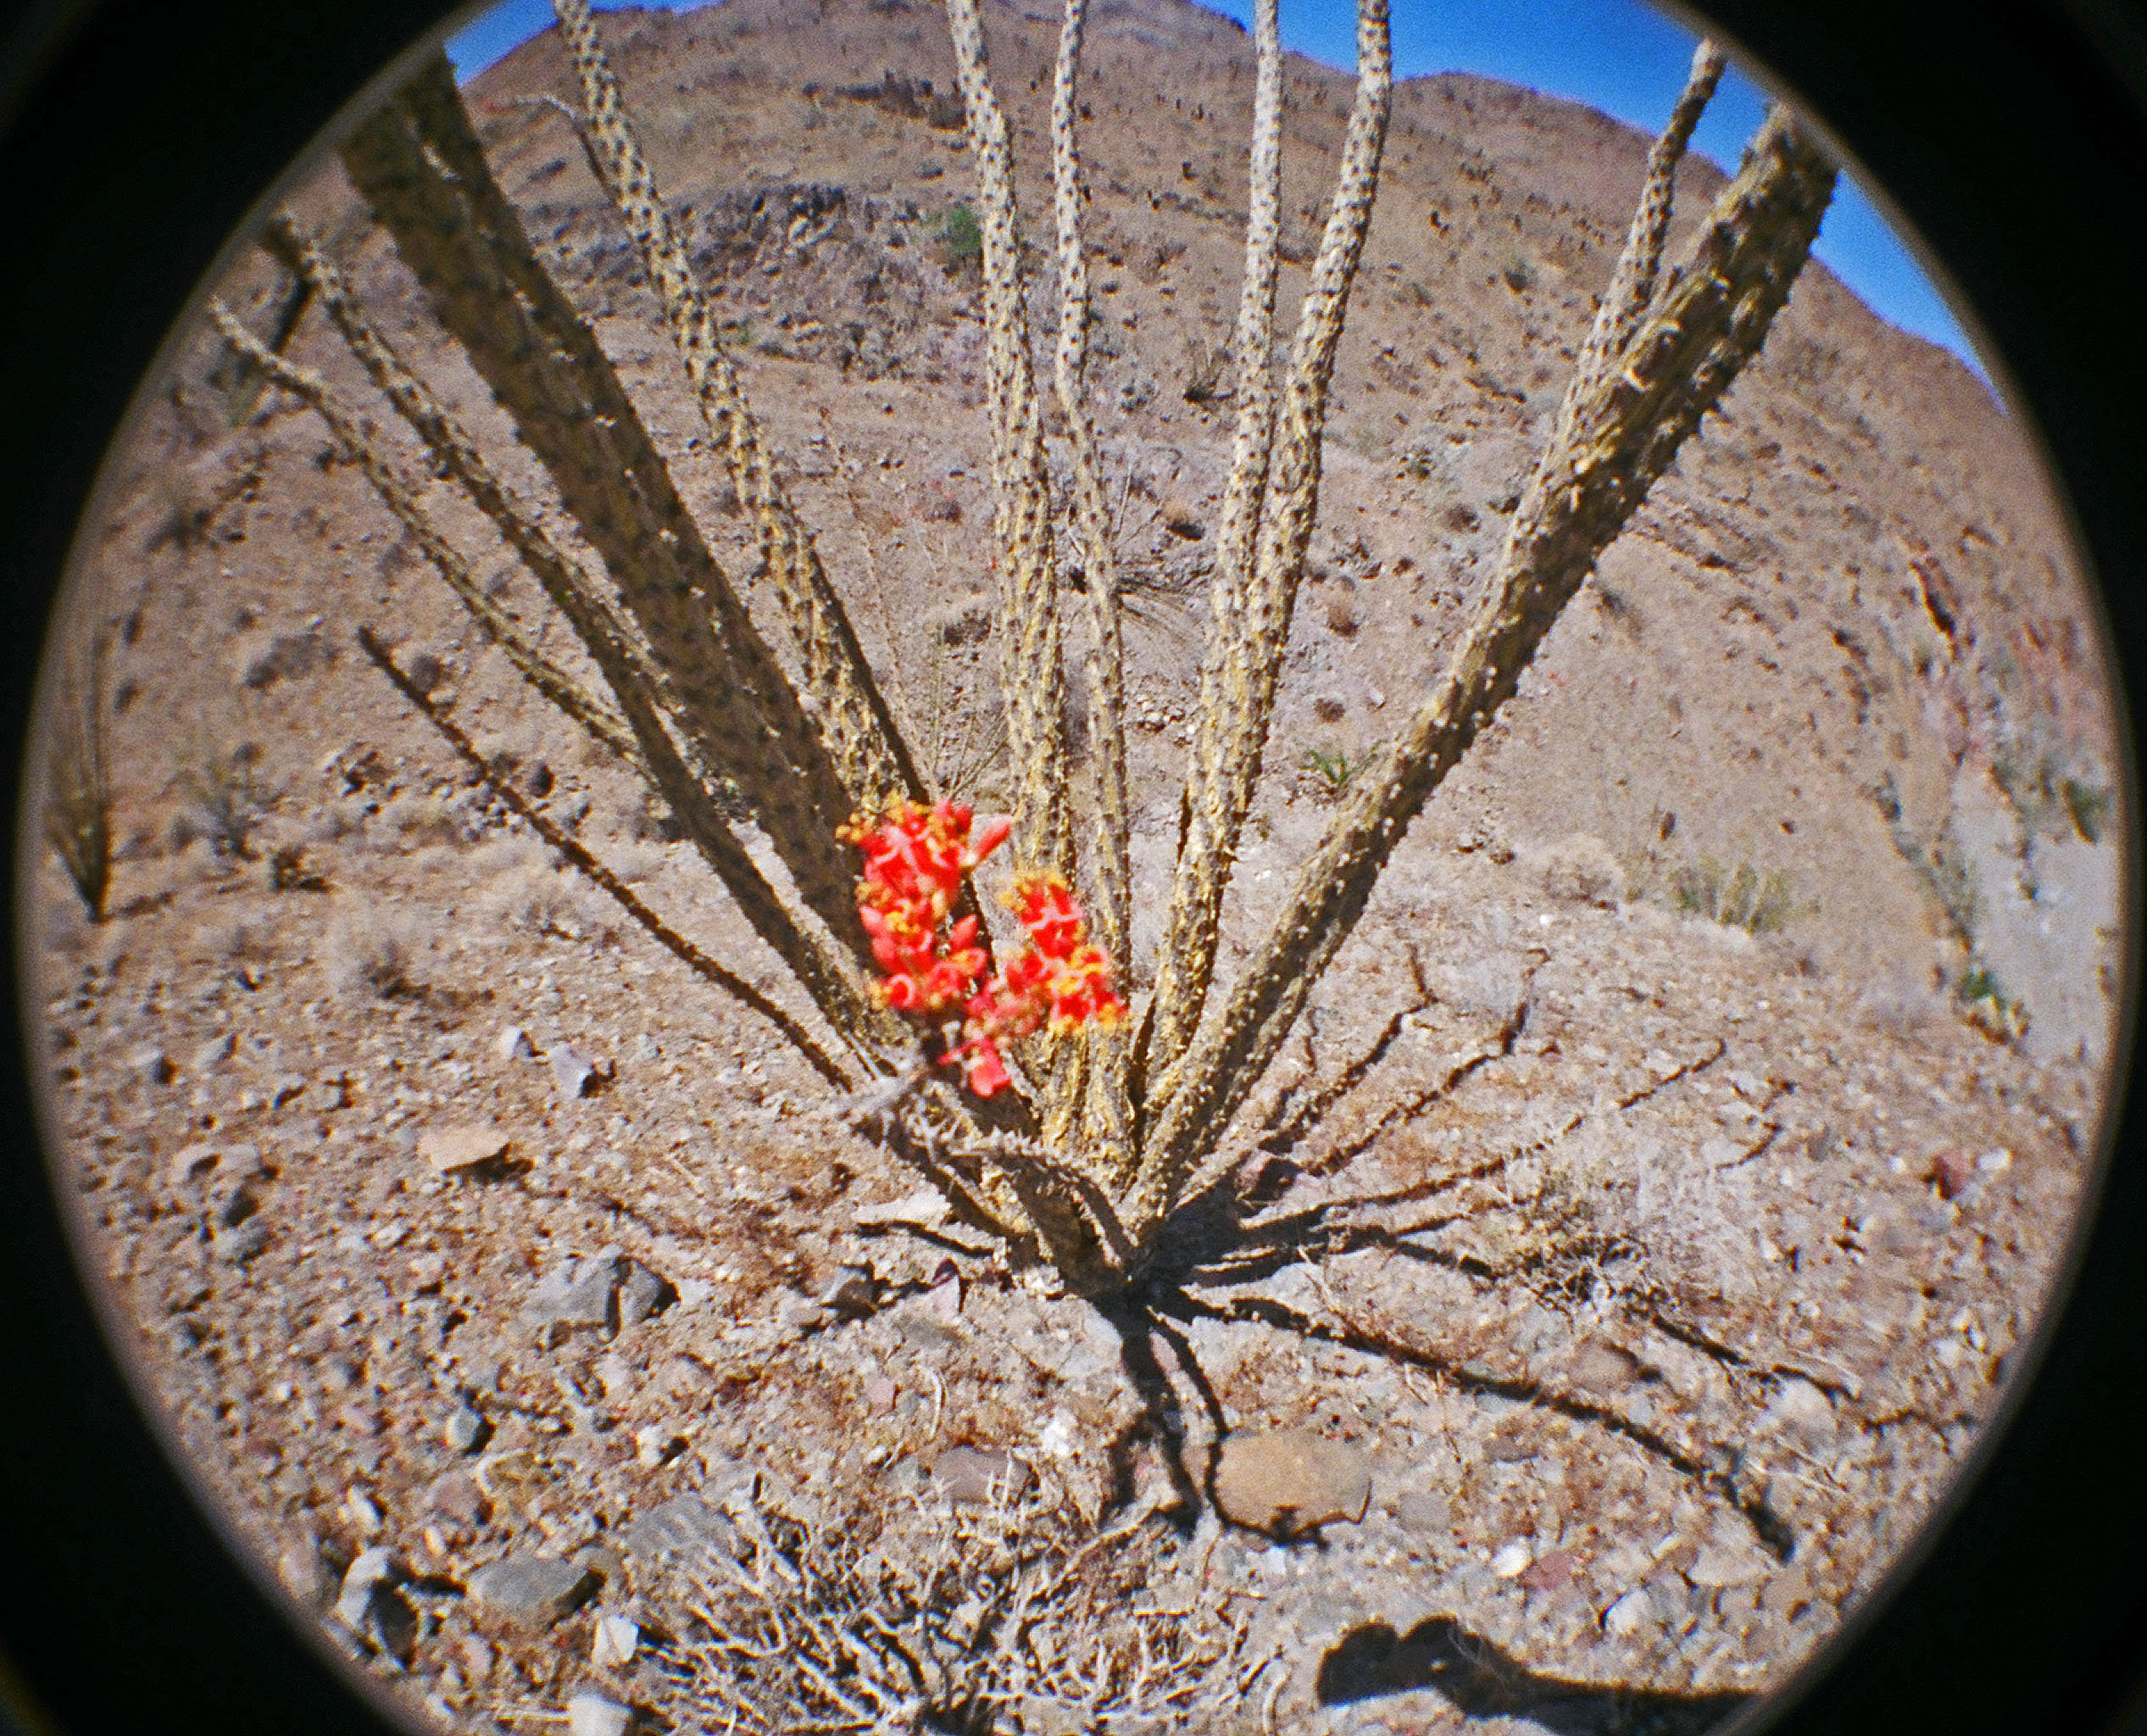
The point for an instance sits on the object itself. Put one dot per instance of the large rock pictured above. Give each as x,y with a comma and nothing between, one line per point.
529,1591
1290,1481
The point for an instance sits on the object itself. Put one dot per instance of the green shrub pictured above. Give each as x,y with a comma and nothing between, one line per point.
1757,900
961,238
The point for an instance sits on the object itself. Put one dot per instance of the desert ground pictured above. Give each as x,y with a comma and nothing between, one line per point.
1652,1209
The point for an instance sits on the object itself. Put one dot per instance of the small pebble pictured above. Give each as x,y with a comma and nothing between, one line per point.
466,1429
1629,1614
975,1475
617,1639
592,1714
529,1591
355,1601
1512,1561
452,1149
571,1073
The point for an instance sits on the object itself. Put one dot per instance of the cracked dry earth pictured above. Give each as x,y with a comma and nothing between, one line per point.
500,1281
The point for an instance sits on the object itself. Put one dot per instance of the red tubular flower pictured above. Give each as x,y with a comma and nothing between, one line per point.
916,861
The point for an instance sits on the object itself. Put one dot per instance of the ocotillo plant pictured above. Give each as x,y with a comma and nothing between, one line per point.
1060,1101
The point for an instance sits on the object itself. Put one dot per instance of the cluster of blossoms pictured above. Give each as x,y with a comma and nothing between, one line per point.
916,859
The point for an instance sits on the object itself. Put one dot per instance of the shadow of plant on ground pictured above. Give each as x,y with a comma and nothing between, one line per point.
1483,1681
1219,1244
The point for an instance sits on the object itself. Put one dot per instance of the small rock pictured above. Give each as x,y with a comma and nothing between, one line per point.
646,1048
1179,520
1551,1572
1629,1614
924,1207
304,1573
1950,1172
946,1292
455,1496
618,1638
513,1044
1604,1367
1424,1511
575,1295
1581,869
354,1603
215,1052
452,1149
655,1445
1992,1162
1512,1561
799,1314
602,1559
529,1591
1290,1481
1787,1591
363,1514
854,1293
643,1293
592,1714
1514,1443
467,1429
1719,1566
979,1474
1804,1407
571,1074
191,1162
685,1537
237,1246
880,1393
151,1066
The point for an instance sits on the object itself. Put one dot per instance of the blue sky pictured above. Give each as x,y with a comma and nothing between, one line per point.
1619,56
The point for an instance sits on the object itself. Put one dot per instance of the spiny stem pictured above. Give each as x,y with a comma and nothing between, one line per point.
1242,692
1111,1050
1707,322
587,864
874,759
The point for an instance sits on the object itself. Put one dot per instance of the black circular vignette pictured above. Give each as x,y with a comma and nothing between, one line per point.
138,135
146,133
2012,139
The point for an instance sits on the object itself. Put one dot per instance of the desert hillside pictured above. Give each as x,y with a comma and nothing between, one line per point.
1650,1210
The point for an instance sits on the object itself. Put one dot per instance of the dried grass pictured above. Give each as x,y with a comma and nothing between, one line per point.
1001,1617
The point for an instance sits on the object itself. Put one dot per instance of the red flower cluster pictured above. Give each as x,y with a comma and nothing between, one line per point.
1060,978
916,860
